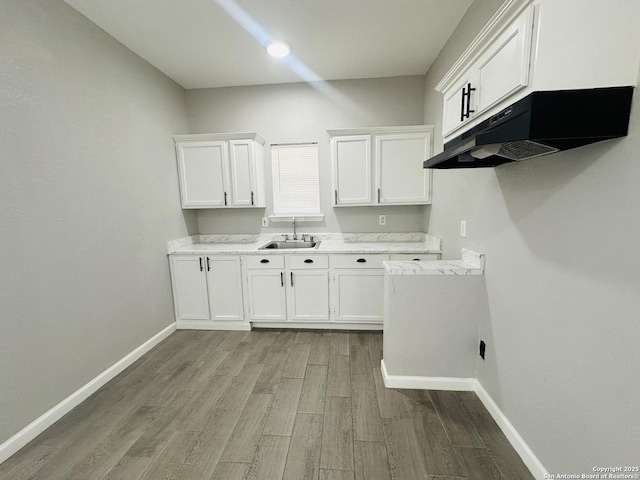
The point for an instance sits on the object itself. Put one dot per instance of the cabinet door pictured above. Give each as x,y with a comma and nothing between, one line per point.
351,157
308,295
401,179
242,172
456,105
267,295
503,69
225,288
189,287
203,174
357,295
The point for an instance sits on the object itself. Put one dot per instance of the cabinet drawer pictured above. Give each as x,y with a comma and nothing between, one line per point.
265,261
420,257
308,261
358,261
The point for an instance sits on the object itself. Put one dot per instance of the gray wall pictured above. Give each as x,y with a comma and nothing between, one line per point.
89,195
449,307
562,283
298,112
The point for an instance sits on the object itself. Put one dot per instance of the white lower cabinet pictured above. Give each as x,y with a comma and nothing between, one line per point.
357,295
358,288
296,290
224,285
342,289
189,288
207,291
267,301
308,295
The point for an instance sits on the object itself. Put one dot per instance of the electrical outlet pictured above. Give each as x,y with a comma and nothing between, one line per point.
382,219
483,348
265,222
463,228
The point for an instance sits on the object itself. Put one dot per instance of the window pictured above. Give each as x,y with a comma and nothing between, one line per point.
296,185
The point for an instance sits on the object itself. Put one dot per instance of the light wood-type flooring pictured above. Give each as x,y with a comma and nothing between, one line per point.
268,405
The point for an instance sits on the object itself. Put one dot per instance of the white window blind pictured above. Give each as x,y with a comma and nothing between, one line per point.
296,186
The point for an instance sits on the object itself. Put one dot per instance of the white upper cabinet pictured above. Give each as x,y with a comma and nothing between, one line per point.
500,69
203,174
243,173
351,169
381,166
458,107
221,171
540,45
586,44
401,179
503,68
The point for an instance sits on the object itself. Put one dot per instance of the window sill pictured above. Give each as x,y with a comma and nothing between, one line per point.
299,218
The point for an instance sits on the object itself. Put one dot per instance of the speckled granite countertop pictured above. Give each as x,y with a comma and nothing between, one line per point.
472,263
383,243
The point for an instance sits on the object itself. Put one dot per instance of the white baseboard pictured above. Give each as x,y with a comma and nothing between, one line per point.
426,383
471,384
517,442
319,325
44,421
212,325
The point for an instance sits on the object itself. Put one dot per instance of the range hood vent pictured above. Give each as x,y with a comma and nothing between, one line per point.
540,124
524,150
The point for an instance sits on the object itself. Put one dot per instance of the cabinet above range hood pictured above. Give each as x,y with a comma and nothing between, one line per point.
541,123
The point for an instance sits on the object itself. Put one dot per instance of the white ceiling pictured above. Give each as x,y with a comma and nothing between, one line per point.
199,45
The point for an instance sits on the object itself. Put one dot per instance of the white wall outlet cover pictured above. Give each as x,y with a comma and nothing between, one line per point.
265,222
463,228
382,220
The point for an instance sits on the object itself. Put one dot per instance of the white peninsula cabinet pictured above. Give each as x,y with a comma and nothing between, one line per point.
381,166
207,292
292,288
221,170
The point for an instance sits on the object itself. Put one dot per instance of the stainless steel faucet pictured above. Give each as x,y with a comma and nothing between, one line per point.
295,235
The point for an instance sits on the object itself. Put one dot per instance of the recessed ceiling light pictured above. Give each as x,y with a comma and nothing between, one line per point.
278,48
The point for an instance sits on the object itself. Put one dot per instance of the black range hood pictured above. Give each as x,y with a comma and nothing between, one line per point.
539,124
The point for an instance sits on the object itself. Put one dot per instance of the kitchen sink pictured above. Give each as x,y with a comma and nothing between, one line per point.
286,245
